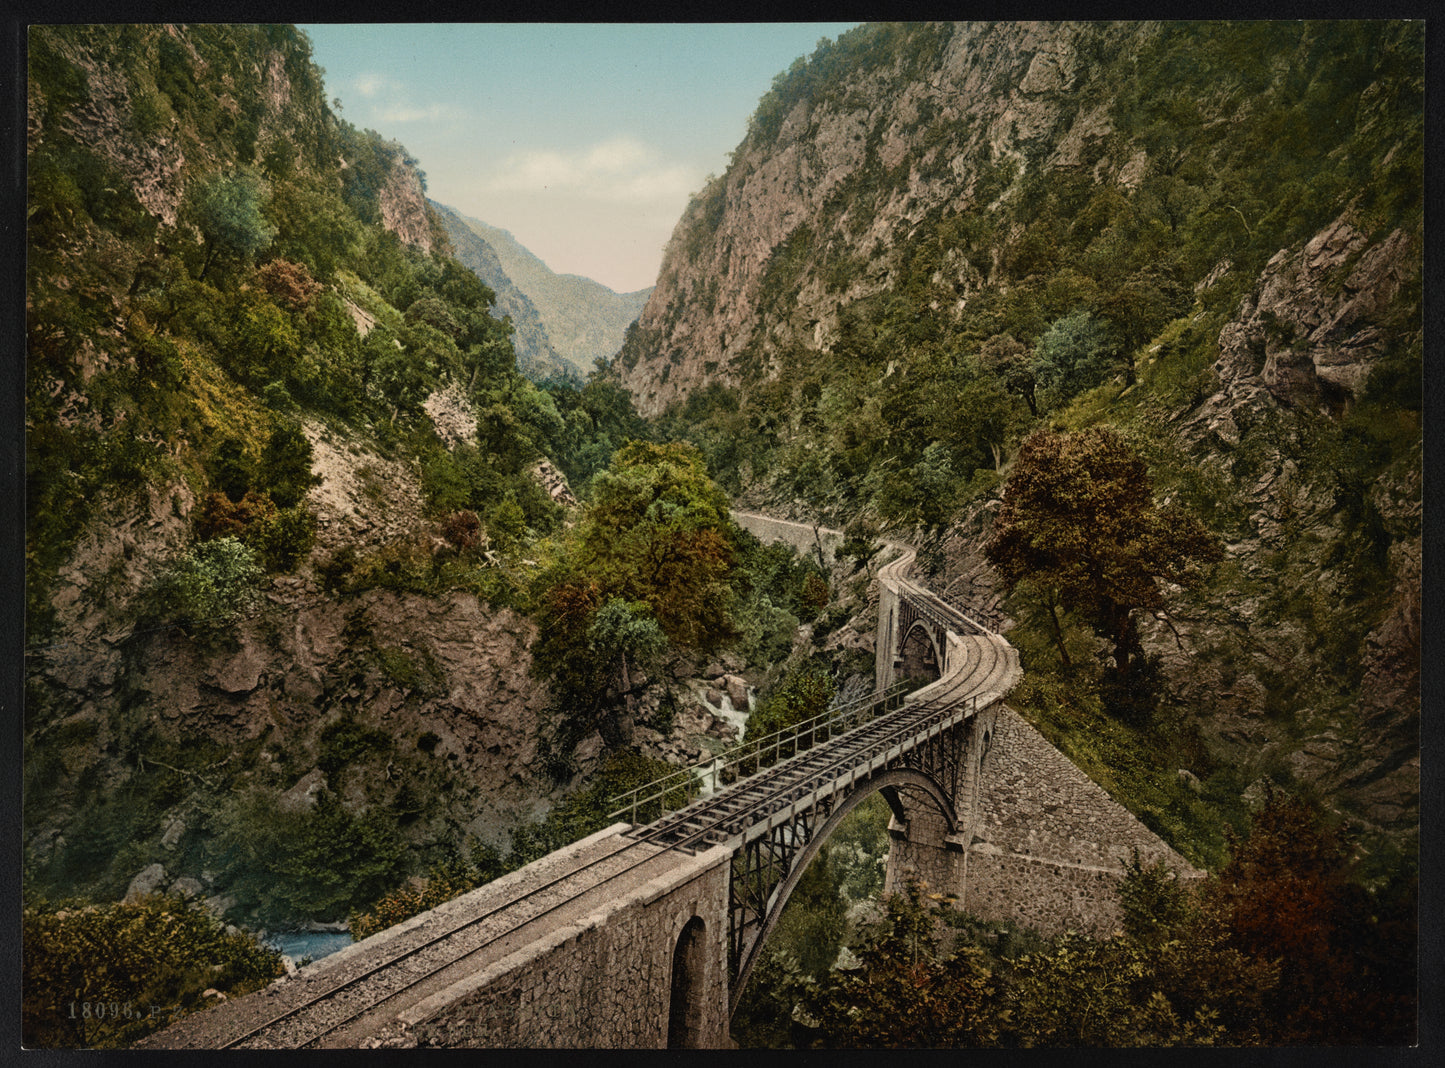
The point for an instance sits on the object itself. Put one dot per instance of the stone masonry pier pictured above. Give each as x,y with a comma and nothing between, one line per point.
644,935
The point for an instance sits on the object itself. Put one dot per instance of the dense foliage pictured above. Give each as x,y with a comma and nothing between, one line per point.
651,565
581,814
1281,947
242,316
211,294
103,976
1079,528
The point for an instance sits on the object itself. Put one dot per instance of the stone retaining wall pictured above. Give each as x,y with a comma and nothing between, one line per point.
1046,846
801,536
604,982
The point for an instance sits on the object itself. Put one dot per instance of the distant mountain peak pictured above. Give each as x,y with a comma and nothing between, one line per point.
584,320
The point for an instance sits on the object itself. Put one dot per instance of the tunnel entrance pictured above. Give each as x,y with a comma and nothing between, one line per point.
684,1017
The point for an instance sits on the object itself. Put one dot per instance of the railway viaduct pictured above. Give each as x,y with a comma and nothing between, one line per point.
644,934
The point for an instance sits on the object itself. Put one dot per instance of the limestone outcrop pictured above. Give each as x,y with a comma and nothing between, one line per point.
996,94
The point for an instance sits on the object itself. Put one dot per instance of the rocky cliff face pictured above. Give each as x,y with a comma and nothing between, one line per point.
1319,320
585,321
403,206
268,89
535,355
851,174
1243,212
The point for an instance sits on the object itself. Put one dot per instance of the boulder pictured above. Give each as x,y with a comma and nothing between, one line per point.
302,796
147,881
737,691
187,887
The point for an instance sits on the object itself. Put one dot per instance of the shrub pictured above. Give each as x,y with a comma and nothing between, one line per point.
286,466
286,538
231,470
104,976
210,584
289,283
443,883
335,570
282,537
227,209
508,525
463,529
221,518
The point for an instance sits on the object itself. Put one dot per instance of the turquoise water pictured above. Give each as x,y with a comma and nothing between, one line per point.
313,944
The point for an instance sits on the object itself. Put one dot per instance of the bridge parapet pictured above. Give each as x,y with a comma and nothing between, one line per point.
645,935
705,777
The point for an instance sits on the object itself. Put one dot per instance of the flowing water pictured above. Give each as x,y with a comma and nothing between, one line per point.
314,944
738,718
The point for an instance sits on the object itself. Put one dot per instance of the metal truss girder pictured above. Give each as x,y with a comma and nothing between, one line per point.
757,904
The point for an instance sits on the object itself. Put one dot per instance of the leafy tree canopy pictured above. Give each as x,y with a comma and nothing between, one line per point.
1074,354
659,531
1079,520
227,208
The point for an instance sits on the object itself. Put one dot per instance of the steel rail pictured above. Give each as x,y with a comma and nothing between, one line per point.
633,842
841,759
876,742
754,749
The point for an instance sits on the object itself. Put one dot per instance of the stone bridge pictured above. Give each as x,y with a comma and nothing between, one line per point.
645,933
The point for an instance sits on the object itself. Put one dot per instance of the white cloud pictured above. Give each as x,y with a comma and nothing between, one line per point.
412,113
622,169
371,84
389,102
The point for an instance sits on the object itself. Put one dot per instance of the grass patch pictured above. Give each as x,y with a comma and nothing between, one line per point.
1137,767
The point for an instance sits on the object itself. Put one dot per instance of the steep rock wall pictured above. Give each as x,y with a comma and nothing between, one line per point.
995,93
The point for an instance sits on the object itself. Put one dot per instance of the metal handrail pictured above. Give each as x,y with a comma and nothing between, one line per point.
689,780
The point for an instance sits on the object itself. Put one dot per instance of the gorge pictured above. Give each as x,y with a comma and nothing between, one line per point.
343,590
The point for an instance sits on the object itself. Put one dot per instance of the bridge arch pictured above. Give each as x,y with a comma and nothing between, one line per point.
685,1009
886,783
919,653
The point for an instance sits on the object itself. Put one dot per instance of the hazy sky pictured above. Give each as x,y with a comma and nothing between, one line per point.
584,140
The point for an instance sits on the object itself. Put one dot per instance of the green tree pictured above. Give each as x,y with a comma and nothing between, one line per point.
597,654
285,468
659,531
232,469
1074,354
403,376
909,991
1003,356
227,209
298,864
802,696
1079,521
507,525
925,495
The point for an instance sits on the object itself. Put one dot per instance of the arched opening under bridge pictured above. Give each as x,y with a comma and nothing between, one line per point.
919,657
888,784
684,1016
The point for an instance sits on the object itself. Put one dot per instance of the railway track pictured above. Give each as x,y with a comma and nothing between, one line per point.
746,805
348,998
343,1001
